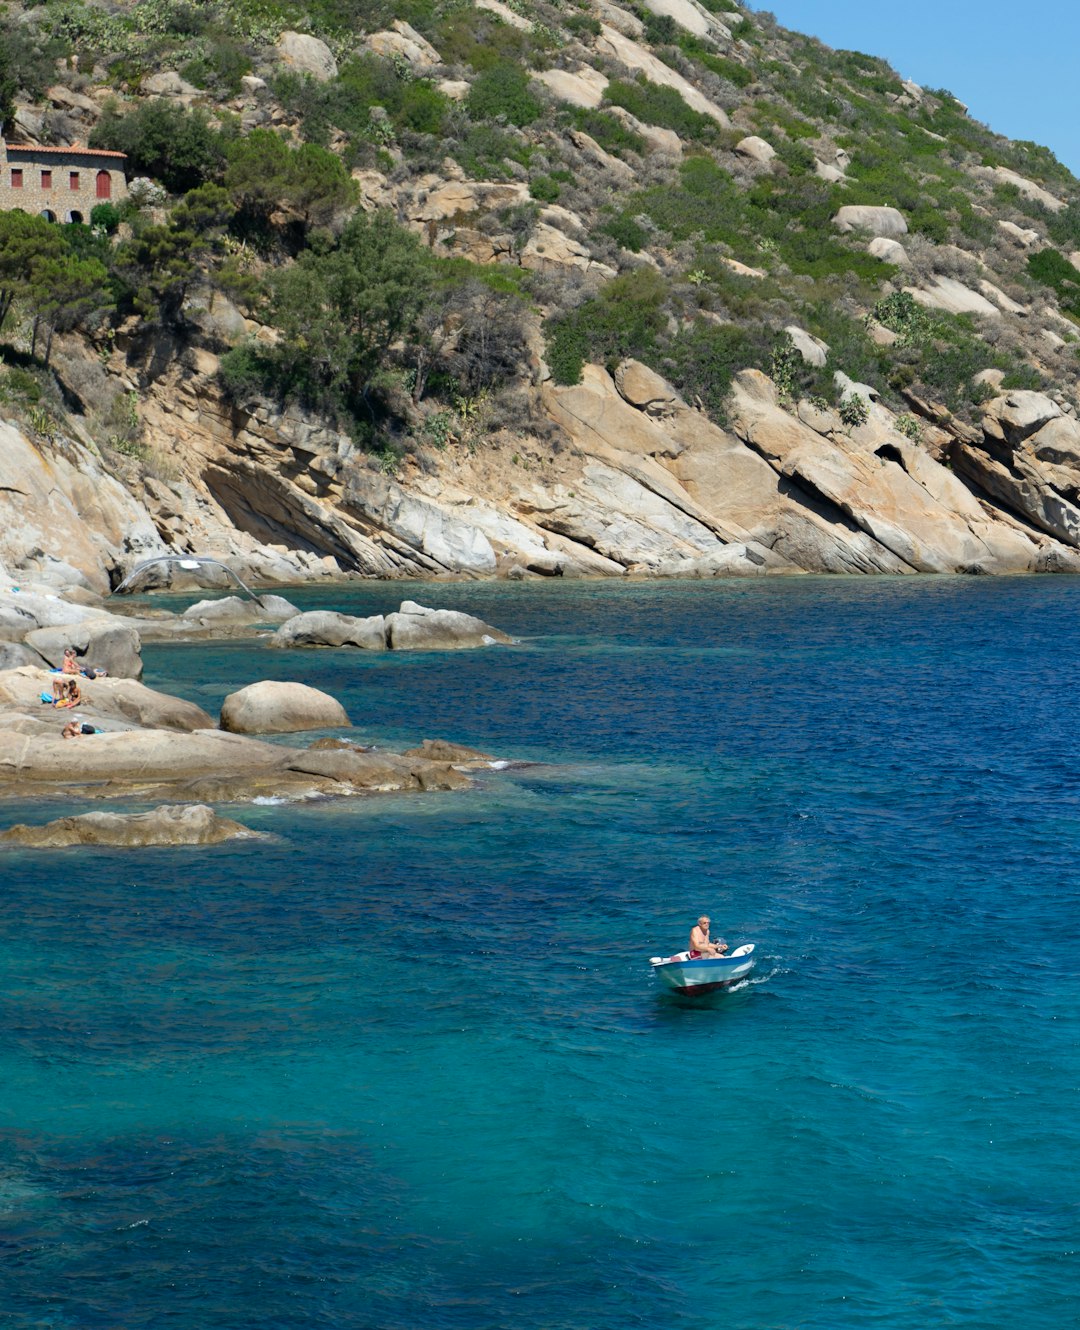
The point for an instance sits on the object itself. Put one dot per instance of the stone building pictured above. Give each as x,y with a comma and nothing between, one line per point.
61,184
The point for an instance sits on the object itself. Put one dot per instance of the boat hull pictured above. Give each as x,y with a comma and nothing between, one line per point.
705,974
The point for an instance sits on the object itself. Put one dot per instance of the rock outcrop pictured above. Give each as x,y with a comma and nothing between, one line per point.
193,824
413,628
276,707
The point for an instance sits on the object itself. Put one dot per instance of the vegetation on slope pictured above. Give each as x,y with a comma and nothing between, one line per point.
248,190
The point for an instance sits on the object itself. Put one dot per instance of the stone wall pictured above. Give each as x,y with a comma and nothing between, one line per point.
64,184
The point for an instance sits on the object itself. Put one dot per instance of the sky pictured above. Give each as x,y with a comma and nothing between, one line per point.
1014,65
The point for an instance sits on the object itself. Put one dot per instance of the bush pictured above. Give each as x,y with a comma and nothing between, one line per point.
625,319
656,105
105,217
702,361
1054,270
610,132
176,146
627,232
502,92
544,188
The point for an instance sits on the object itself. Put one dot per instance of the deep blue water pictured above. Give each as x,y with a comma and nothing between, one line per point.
406,1067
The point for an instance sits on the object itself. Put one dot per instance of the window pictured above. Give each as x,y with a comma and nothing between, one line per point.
73,179
46,179
104,185
16,177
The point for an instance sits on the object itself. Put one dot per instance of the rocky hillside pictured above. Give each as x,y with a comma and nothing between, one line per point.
526,288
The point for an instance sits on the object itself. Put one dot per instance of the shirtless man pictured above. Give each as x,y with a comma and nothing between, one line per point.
699,939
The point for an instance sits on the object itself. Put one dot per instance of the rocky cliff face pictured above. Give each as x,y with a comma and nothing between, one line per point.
644,485
618,473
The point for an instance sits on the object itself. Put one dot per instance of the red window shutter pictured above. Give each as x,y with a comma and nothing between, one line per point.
46,180
73,179
16,177
104,185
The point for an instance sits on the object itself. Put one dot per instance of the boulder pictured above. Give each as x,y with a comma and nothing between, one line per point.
240,610
583,86
813,350
168,83
832,175
405,42
325,628
194,824
889,251
882,221
644,388
440,750
1023,235
756,149
110,645
14,654
1002,175
307,55
692,16
416,628
1016,415
625,51
277,707
954,297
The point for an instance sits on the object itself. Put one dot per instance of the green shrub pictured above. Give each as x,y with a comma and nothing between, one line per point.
544,188
701,361
656,105
625,319
611,134
1054,270
627,232
583,25
502,92
105,217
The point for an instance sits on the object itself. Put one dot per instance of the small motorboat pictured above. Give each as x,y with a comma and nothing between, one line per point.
686,973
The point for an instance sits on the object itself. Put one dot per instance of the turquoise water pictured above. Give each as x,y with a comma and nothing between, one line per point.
405,1065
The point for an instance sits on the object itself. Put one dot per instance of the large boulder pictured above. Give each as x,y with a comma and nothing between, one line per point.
307,55
107,644
866,217
325,628
195,824
276,707
416,628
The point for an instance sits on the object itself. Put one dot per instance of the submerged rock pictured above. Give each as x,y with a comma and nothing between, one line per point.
412,628
195,824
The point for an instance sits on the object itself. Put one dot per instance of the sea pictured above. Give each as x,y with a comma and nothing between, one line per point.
404,1066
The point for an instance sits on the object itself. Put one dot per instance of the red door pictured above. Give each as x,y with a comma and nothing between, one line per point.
104,185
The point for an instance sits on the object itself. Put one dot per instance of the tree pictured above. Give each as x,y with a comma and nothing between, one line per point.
176,146
340,309
69,293
265,175
25,243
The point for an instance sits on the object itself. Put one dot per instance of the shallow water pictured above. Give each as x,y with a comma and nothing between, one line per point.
405,1066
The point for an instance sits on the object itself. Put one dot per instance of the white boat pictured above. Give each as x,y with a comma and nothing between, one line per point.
687,973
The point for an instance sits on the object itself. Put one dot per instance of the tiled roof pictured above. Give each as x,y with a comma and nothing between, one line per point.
73,149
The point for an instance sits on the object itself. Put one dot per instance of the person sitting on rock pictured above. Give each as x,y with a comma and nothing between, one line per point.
66,691
72,665
75,729
700,944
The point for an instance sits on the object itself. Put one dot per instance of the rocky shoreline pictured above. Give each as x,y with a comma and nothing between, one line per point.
135,742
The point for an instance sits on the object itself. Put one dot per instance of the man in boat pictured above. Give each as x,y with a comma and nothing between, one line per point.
700,944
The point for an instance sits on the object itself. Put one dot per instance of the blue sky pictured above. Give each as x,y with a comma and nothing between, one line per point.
1015,65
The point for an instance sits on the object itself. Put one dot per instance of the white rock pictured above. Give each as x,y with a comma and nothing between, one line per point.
831,174
582,87
954,297
506,14
308,55
883,221
998,296
889,251
1022,235
627,52
812,349
692,16
1027,187
276,707
756,149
